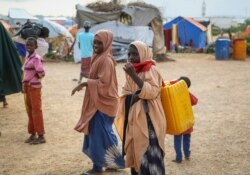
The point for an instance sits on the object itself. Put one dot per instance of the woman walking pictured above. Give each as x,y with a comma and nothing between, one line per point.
100,107
140,122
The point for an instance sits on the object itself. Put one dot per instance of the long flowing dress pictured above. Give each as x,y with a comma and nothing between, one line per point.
145,130
100,107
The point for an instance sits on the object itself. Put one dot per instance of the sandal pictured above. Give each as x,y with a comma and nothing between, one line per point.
38,140
5,104
92,171
30,139
177,161
111,169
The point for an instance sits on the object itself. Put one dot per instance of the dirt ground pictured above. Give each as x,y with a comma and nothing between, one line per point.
220,141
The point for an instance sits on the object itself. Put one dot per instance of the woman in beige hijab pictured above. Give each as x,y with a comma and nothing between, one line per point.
140,120
100,107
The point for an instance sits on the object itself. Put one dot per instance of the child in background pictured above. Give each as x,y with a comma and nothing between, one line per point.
33,72
184,137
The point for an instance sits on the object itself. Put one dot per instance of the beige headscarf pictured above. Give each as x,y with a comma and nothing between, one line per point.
102,91
137,139
145,52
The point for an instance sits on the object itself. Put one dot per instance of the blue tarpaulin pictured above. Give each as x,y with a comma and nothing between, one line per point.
188,29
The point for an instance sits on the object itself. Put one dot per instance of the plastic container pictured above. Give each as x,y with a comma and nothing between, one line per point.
239,49
177,107
222,48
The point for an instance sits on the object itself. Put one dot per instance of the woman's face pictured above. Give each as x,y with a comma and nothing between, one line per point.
31,46
133,55
98,46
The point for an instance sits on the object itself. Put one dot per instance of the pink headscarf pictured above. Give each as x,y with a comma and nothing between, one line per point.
102,91
106,37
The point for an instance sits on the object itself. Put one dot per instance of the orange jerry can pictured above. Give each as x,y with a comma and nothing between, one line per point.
239,49
177,107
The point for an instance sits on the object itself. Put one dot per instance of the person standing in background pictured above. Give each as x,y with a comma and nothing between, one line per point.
85,42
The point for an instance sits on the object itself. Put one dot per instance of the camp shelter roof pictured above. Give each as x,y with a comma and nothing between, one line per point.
20,14
84,13
140,16
179,19
197,24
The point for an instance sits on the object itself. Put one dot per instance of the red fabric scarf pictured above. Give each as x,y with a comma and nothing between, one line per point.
143,67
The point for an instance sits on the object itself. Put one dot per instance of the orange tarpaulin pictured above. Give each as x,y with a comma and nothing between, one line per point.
73,30
247,31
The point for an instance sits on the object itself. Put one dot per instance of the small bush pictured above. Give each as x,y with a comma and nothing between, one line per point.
248,48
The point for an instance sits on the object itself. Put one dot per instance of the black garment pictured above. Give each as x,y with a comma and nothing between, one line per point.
129,101
2,98
153,160
10,65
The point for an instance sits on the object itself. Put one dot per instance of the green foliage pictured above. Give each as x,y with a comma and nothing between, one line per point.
215,30
248,44
211,48
248,48
248,39
233,29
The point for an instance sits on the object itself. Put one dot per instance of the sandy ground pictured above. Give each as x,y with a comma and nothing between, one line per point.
220,141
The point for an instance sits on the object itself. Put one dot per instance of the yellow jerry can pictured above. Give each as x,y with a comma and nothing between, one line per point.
177,107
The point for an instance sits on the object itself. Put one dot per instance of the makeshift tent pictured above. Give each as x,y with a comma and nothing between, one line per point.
55,29
188,30
20,16
67,23
138,16
59,37
10,65
123,35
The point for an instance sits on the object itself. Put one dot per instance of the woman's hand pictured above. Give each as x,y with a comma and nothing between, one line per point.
79,87
129,69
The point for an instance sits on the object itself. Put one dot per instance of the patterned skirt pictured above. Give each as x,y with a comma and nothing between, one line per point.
85,66
101,144
153,160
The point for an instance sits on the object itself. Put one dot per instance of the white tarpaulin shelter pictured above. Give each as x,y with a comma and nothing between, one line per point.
123,32
122,36
55,29
20,16
137,16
